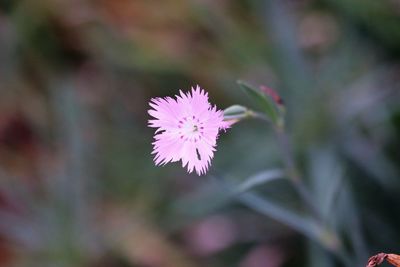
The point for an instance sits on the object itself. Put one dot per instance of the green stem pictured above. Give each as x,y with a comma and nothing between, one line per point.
293,173
328,238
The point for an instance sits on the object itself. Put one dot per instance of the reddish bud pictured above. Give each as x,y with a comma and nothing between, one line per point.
272,93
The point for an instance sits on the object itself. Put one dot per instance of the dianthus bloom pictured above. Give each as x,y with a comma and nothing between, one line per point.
188,129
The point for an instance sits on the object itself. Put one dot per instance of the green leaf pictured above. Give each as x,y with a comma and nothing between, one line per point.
259,179
266,104
305,225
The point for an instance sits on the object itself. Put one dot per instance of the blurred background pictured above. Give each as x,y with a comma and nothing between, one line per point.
78,186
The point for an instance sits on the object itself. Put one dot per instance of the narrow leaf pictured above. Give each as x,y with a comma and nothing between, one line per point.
266,104
258,179
305,225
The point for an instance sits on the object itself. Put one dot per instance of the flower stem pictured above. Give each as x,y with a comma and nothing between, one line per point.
328,239
332,242
293,173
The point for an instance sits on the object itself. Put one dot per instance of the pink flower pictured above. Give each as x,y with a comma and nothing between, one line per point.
187,129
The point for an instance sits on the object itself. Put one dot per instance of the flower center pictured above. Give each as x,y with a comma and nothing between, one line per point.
190,128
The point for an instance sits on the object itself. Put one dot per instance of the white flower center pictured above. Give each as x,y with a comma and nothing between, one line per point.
190,128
